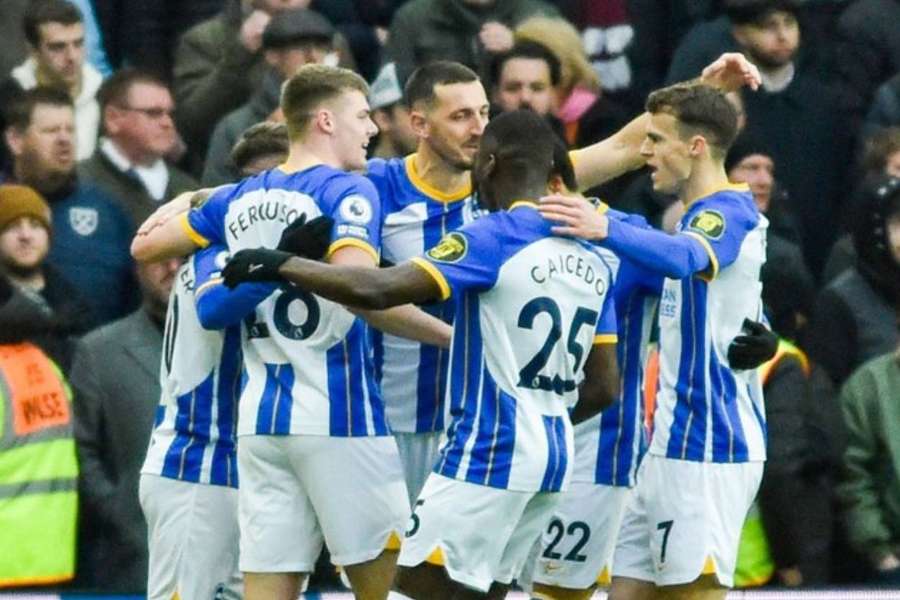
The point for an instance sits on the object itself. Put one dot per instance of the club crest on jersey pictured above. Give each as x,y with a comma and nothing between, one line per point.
710,223
451,248
83,220
356,209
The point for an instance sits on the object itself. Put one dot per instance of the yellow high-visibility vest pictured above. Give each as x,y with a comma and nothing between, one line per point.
38,470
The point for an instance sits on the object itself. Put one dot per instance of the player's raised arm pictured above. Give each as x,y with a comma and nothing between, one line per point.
620,152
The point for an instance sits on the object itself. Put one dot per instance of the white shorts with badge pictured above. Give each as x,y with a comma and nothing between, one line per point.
685,520
192,533
418,452
478,533
577,544
298,491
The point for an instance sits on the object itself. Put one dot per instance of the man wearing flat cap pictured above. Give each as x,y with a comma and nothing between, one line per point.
291,39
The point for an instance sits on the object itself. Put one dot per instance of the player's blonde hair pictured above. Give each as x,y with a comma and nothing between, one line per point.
563,40
312,86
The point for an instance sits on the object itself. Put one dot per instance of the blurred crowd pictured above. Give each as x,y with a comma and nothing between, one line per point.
112,107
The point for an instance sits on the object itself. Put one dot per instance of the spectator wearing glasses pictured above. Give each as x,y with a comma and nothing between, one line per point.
139,132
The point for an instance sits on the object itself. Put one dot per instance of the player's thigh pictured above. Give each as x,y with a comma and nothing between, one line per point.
357,489
578,542
209,565
166,506
464,528
424,581
372,579
626,588
706,587
695,513
279,532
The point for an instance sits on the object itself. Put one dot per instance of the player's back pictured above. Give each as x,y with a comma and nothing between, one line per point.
194,435
705,410
415,218
308,366
528,306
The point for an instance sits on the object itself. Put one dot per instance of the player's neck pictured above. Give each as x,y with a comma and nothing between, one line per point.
706,177
305,155
437,173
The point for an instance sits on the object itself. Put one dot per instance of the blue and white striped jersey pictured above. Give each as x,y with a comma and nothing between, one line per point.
416,216
307,359
706,411
194,437
529,307
609,446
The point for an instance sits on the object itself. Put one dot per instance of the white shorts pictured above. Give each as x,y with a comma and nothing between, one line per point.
577,544
192,531
685,520
478,533
298,490
418,453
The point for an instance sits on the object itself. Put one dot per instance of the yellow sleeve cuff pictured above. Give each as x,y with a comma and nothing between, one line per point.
606,338
713,270
435,274
196,238
344,242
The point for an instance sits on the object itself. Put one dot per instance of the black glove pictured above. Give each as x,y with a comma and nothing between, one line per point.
309,240
259,264
753,349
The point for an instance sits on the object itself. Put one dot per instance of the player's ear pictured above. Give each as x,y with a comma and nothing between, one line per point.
555,185
418,122
697,146
325,120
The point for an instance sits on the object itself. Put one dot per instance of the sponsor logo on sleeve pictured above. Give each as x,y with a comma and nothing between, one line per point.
452,248
710,223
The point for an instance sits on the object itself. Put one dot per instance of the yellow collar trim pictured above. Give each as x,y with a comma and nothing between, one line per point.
521,203
432,192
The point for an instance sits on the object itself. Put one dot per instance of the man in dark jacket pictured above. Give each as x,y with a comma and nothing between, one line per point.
91,233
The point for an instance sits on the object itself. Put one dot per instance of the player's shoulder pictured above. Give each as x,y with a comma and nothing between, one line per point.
385,169
730,206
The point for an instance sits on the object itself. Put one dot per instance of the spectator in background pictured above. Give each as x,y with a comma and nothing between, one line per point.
113,419
219,62
870,487
261,147
139,132
55,33
470,32
880,157
395,134
86,222
798,117
885,109
291,39
855,316
587,116
868,49
25,233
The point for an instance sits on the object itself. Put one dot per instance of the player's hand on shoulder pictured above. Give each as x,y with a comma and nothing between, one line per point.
258,264
756,346
309,239
575,217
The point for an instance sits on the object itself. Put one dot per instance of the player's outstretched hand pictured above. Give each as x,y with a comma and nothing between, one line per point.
752,349
730,72
575,216
307,239
259,264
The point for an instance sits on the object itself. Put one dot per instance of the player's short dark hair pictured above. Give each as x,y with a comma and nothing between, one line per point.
263,139
699,109
747,12
525,147
40,12
530,50
20,108
114,91
312,85
420,85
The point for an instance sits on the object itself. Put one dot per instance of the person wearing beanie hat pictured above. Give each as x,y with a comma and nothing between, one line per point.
25,226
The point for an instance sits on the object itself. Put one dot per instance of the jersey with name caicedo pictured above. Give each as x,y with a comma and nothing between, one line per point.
529,307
